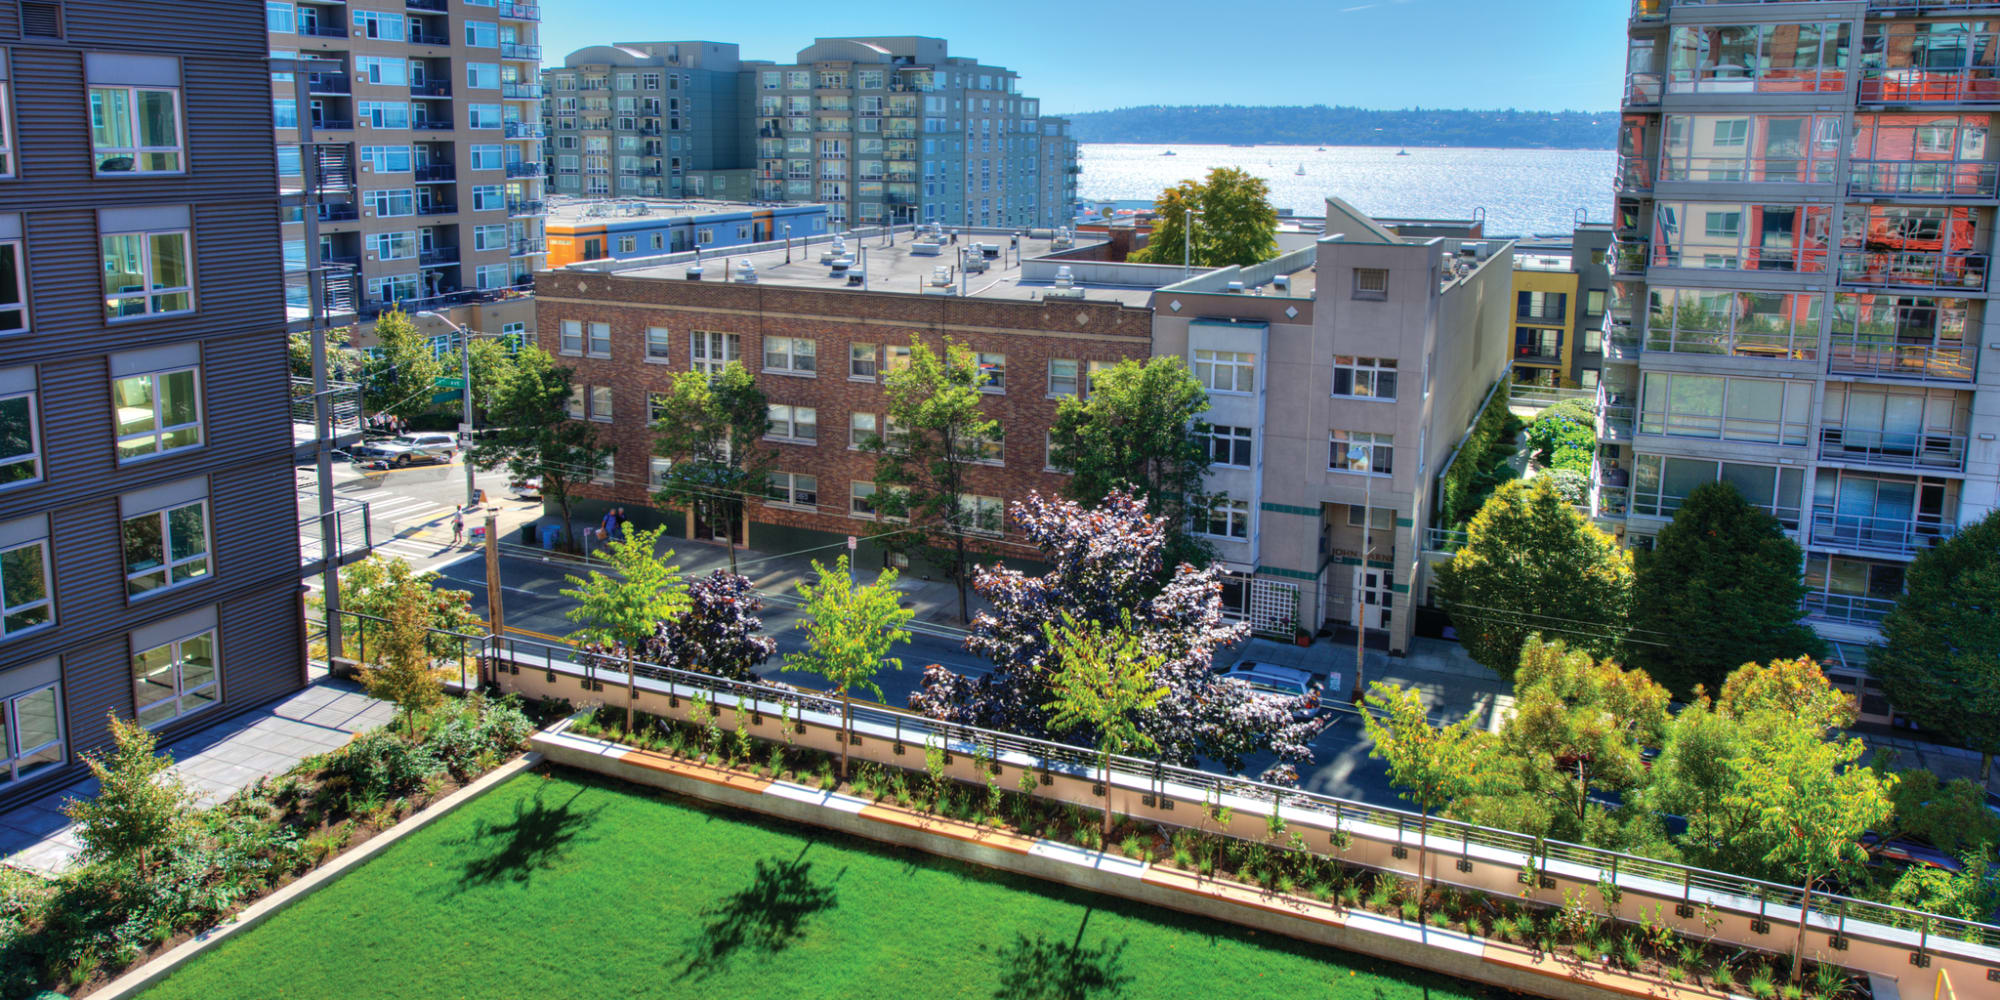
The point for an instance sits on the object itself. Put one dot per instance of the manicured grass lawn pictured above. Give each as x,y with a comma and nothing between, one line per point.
566,885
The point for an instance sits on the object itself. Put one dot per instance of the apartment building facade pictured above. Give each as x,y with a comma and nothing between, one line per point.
881,129
148,543
425,118
586,230
1802,300
1341,375
1561,288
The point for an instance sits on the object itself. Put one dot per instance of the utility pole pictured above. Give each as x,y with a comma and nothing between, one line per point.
1358,456
331,543
495,622
465,375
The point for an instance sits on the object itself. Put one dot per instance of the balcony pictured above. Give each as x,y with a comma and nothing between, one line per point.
1893,449
427,38
323,30
1902,179
1848,609
523,248
520,50
437,118
524,170
344,212
1642,90
1546,354
520,11
433,6
435,172
329,83
1917,269
438,257
437,208
1921,85
523,130
431,88
1854,354
1621,344
1615,415
1896,536
1628,257
1634,176
521,91
333,125
525,209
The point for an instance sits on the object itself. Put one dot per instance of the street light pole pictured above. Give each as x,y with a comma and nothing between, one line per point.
465,392
1357,456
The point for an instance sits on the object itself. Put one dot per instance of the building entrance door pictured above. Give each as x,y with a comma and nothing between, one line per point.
1377,598
709,529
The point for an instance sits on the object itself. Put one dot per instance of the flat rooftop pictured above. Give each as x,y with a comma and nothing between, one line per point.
896,268
587,211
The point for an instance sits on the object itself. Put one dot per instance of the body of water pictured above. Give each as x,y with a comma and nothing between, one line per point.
1521,190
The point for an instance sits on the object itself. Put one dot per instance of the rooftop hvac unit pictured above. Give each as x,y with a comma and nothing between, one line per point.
1282,282
694,272
941,277
1060,292
1065,278
1234,288
746,272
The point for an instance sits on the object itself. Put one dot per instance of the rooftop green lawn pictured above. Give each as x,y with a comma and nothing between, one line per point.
561,884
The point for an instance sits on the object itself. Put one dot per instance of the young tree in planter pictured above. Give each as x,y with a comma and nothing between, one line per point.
718,634
711,429
376,586
1102,680
406,674
140,803
401,376
1433,765
619,611
1105,563
1140,430
1939,661
1532,564
923,464
1720,588
533,433
849,632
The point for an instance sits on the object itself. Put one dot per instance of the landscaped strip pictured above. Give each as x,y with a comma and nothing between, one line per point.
566,884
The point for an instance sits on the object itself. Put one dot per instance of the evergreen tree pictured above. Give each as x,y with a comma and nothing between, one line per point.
1140,430
1939,661
1720,588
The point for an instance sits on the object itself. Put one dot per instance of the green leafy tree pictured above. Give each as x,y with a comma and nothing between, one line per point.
140,805
1939,661
1720,588
401,376
1140,430
535,436
375,587
492,365
923,463
710,429
620,610
1102,680
1970,893
849,632
1433,765
343,362
1236,223
406,673
1532,564
1950,815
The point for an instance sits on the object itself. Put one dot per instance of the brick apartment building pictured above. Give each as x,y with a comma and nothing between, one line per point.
819,347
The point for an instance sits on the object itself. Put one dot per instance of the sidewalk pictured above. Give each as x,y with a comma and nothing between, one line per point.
215,763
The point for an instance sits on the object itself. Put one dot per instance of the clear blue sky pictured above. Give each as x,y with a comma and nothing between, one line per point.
1089,55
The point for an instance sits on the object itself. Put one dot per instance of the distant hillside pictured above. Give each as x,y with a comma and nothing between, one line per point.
1320,125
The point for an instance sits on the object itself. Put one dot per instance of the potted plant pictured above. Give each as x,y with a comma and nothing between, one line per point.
1301,636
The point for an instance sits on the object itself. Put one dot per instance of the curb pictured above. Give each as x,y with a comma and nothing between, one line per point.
145,976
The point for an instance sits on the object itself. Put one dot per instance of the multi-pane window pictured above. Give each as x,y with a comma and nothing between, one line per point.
792,489
387,159
793,423
1377,454
386,71
482,76
392,246
1732,409
799,355
988,448
982,515
1370,378
157,413
165,547
25,597
30,732
147,274
1062,377
384,114
1746,58
656,406
992,372
483,116
896,357
389,203
575,407
861,362
1371,283
600,403
20,438
487,156
136,129
1229,445
862,430
1228,519
656,344
1226,371
861,499
13,287
657,470
572,337
1776,325
600,340
482,34
1715,235
175,678
490,237
488,198
1756,149
710,351
380,25
1660,484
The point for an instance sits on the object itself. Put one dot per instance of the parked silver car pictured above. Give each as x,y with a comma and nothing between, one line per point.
408,449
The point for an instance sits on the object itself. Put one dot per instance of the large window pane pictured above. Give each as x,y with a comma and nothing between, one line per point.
24,588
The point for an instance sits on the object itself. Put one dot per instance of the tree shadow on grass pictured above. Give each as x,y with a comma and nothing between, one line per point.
763,917
1041,969
537,835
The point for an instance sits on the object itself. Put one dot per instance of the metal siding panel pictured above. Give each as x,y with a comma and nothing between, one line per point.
260,658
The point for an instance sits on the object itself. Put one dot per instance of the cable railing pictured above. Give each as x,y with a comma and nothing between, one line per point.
1970,945
1900,536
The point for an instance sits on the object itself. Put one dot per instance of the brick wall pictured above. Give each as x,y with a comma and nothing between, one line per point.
1030,334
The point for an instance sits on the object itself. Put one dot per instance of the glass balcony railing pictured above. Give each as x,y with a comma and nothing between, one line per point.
1893,449
1922,85
1443,540
1635,174
1900,536
1628,257
1904,179
1857,354
1848,609
1642,90
1620,343
1913,269
1615,414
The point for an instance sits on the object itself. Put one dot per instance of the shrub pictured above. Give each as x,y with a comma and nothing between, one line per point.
1463,484
379,764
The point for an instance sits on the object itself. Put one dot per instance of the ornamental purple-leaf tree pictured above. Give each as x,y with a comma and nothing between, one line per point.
717,633
1105,562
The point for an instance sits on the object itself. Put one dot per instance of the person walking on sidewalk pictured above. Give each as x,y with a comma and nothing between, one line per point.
458,527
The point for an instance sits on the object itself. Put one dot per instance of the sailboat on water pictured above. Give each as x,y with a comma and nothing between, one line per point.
1301,172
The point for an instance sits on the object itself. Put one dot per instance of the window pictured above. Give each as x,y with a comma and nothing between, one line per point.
1226,371
798,355
1377,458
387,159
379,25
20,438
146,273
600,403
897,358
606,473
1732,409
173,679
989,450
1062,377
484,76
1381,519
861,500
1364,378
1659,485
628,244
656,406
13,282
157,412
572,337
490,237
491,276
384,114
600,340
392,246
575,408
488,198
993,372
482,34
1371,283
26,601
862,430
657,470
487,157
982,515
656,344
483,116
31,725
165,547
861,363
136,129
386,71
793,423
1229,446
1593,302
278,18
390,203
1228,519
710,351
792,489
